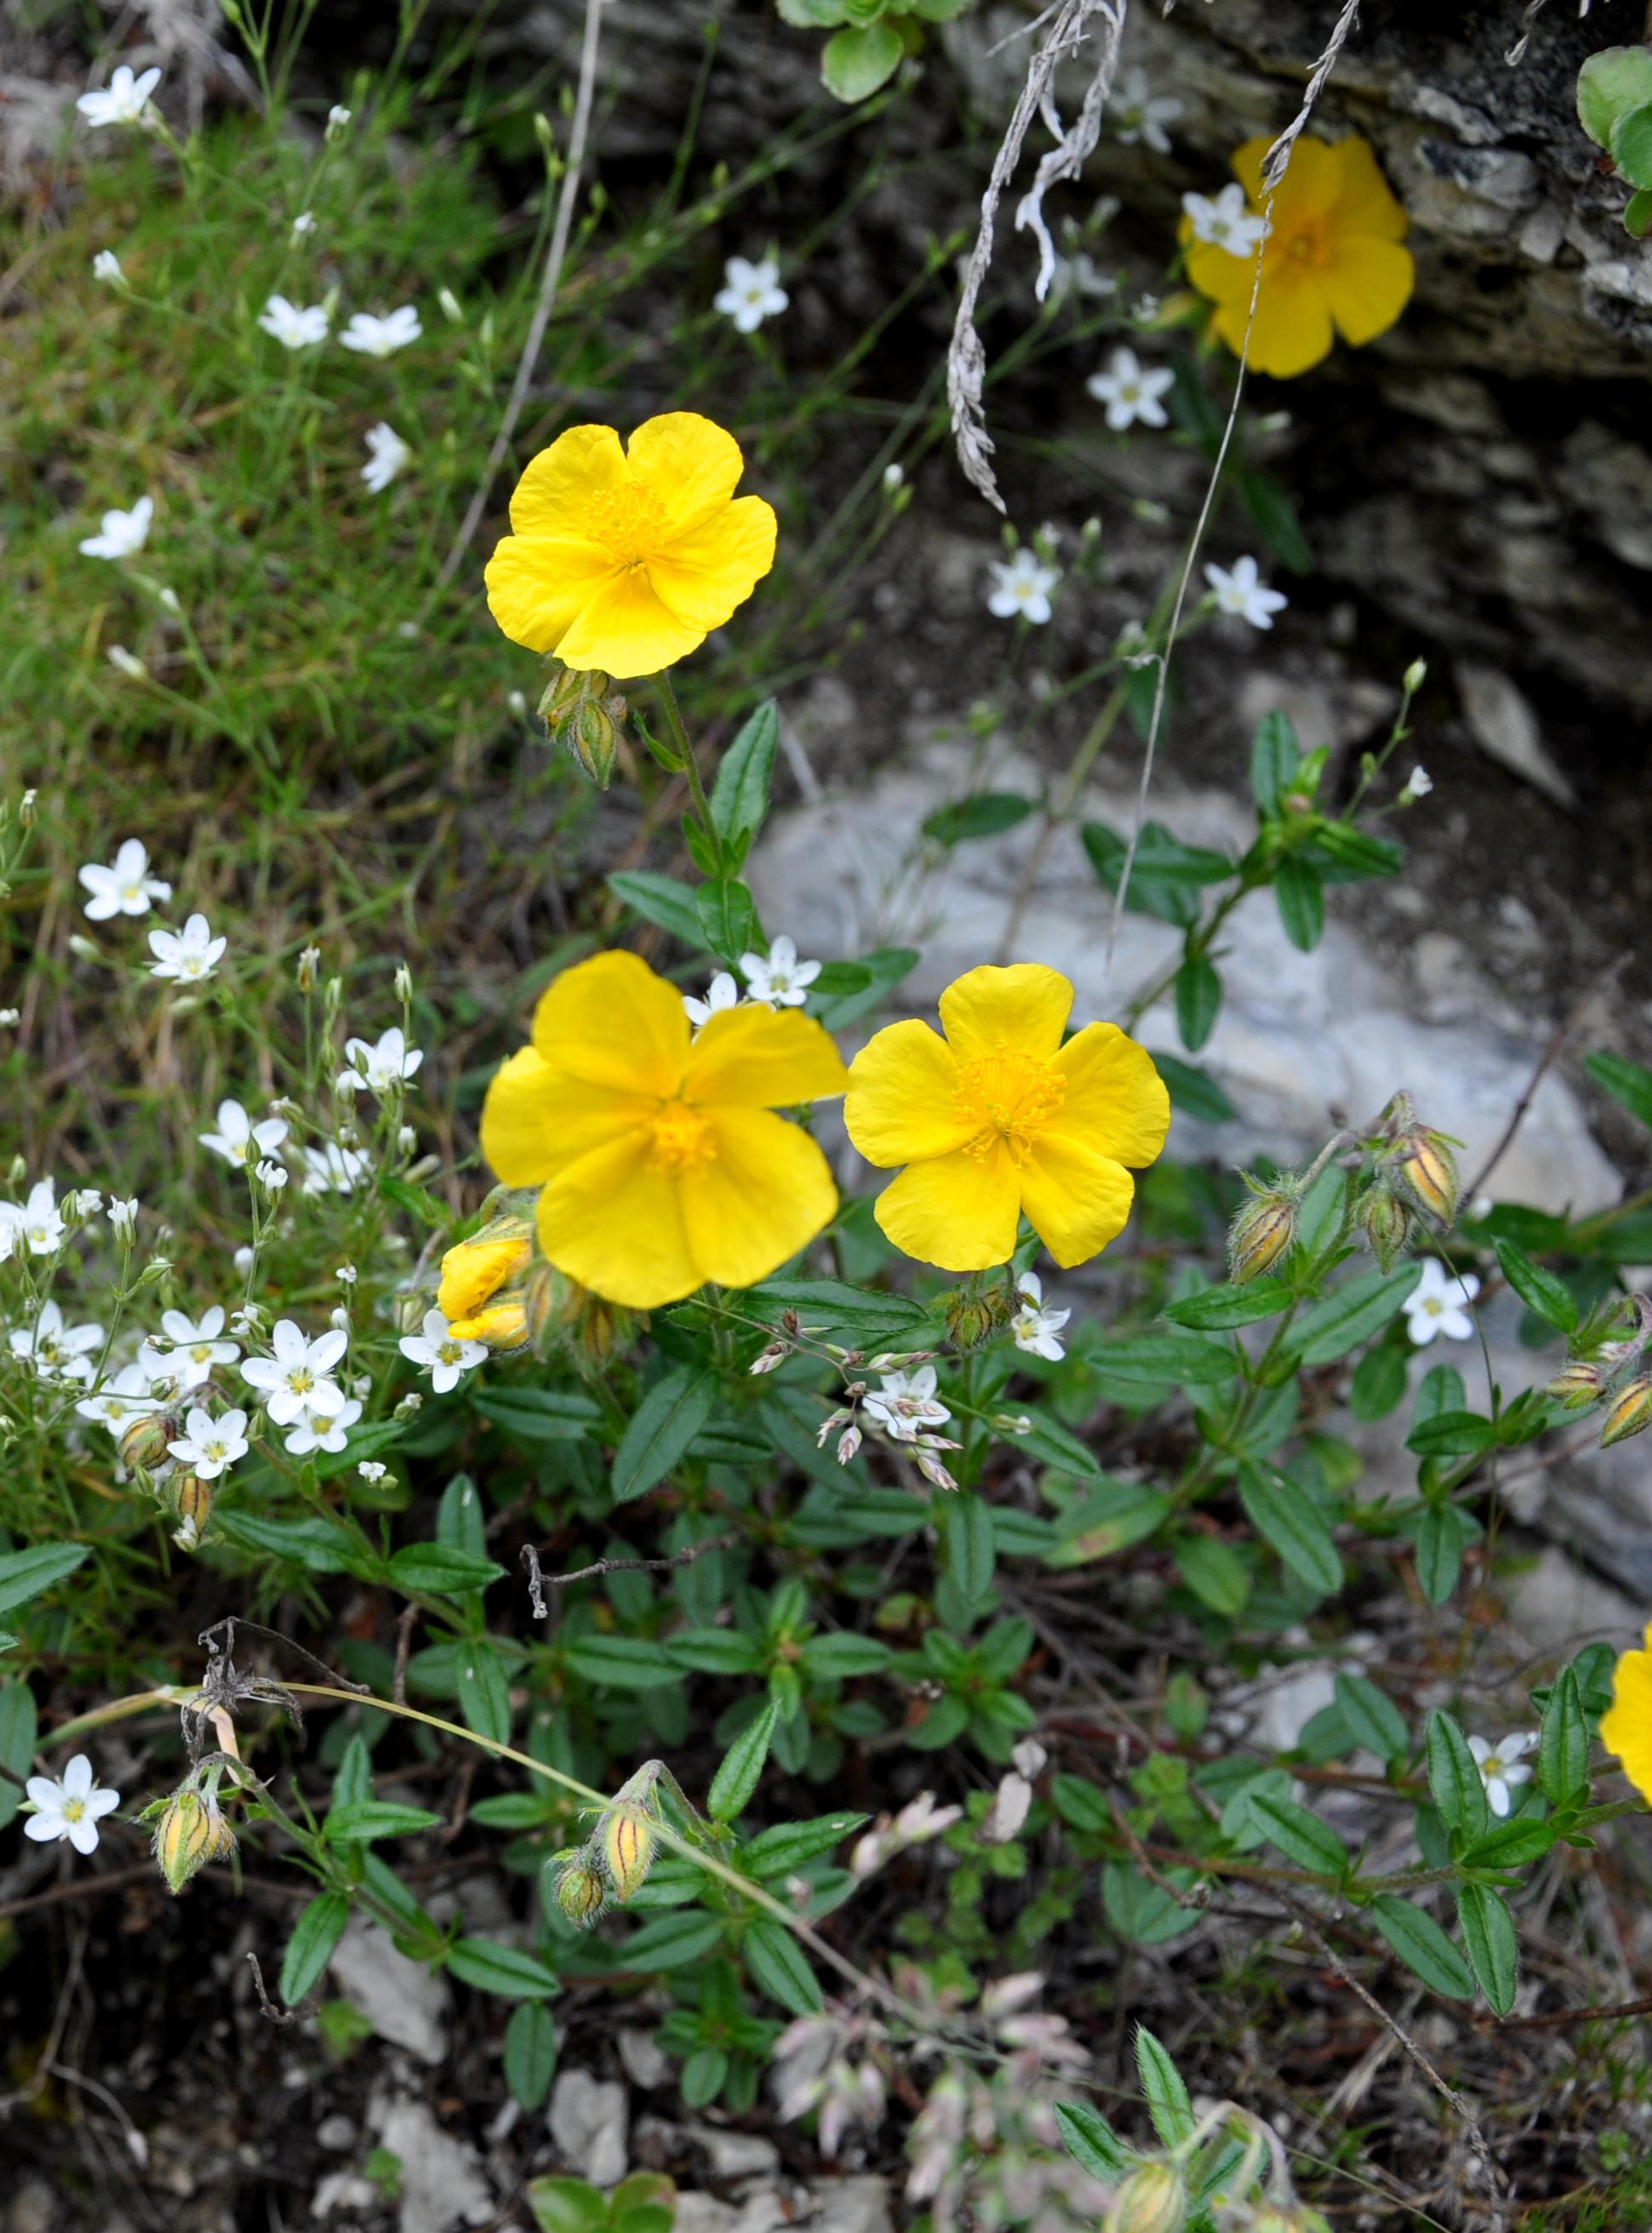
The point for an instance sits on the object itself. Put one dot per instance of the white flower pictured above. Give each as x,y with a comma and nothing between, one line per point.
337,118
189,956
193,1349
1021,587
272,1176
446,1360
297,1378
9,1016
127,662
722,992
1439,1305
315,1430
1141,114
293,327
371,1471
1005,1817
1224,220
1131,390
209,1446
73,1806
386,454
778,976
120,1400
1418,785
243,1259
918,1820
35,1225
106,266
1501,1768
751,293
332,1169
303,222
374,337
1239,590
237,1136
1077,275
123,1218
1034,1327
123,100
380,1068
55,1350
127,887
123,532
905,1402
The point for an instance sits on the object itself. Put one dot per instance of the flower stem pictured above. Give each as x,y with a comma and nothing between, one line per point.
691,766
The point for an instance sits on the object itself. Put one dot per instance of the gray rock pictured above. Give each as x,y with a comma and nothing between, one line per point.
404,2002
588,2118
1503,724
442,2185
1557,1605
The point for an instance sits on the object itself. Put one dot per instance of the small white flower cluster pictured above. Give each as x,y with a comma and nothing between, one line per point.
775,980
297,1387
368,334
381,1067
903,1409
125,886
751,292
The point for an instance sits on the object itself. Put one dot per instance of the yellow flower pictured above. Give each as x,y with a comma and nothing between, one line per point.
1332,259
628,562
474,1270
999,1117
1626,1730
659,1162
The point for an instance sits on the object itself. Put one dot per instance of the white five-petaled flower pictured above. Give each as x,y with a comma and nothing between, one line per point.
123,100
386,454
446,1360
193,1349
1140,113
125,887
778,976
371,335
372,1472
238,1140
721,993
68,1806
1131,390
1225,220
209,1446
123,1218
332,1169
1439,1305
1502,1770
314,1430
905,1402
295,328
122,534
297,1378
1240,590
120,1400
55,1350
1077,275
1035,1327
188,956
1418,785
751,292
1021,587
379,1068
36,1224
106,267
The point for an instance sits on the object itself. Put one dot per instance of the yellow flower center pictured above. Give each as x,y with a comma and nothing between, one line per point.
680,1140
629,521
1009,1097
1307,246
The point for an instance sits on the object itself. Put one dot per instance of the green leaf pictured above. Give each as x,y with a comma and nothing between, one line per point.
1373,1719
1378,1385
1275,758
1216,1310
1511,1845
665,1422
1288,1520
1192,1090
1422,1946
25,1574
317,1931
884,970
1300,1836
1452,1434
1356,853
1490,1943
1167,2097
742,1765
857,61
1198,1000
364,1820
1539,1289
776,1964
1611,84
789,1844
1091,2141
1563,1748
1143,1913
740,793
1301,897
1165,1360
1455,1778
1627,1082
870,1319
728,917
1361,1306
18,1730
623,1663
434,1570
1631,145
489,1966
1442,1537
839,1655
673,1941
316,1544
538,1415
971,1551
984,816
1275,518
661,900
1637,214
484,1690
1051,1444
1215,1573
530,2054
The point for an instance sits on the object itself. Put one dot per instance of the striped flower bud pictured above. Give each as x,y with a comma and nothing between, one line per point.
1428,1171
1631,1412
628,1844
191,1832
1152,2200
580,1892
192,1499
1259,1235
1386,1223
1576,1385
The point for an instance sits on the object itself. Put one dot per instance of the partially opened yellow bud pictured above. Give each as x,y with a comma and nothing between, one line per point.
190,1833
477,1268
503,1325
628,1843
1630,1413
1152,2200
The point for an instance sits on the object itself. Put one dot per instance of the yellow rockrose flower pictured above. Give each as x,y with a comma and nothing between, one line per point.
659,1162
1331,261
1626,1729
625,560
473,1271
999,1117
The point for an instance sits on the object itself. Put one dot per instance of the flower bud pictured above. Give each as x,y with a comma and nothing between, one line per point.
1259,1235
450,303
1415,676
1428,1172
503,1325
338,119
191,1498
191,1832
1386,1223
473,1271
143,1444
580,1892
1576,1385
970,1317
305,975
1631,1412
592,743
628,1843
26,809
1153,2199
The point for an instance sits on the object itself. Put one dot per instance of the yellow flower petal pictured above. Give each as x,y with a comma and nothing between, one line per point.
627,630
1626,1729
1368,286
555,495
765,1195
1365,201
538,586
902,1092
1222,278
1076,1199
705,575
537,1119
614,1222
757,1057
473,1271
611,1021
691,465
1116,1099
960,1212
1023,1009
1292,330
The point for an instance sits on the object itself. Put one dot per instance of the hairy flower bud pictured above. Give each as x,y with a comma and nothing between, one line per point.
143,1444
1386,1223
1631,1412
1259,1235
580,1892
191,1832
1576,1385
1428,1171
628,1843
592,742
971,1318
191,1498
1152,2200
